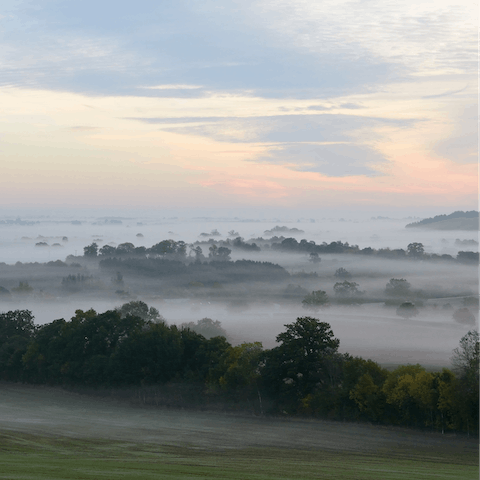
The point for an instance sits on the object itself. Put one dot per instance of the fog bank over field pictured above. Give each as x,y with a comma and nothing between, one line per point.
20,234
250,310
62,414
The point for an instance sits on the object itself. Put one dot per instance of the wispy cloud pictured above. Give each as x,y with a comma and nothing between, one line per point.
276,128
291,49
83,128
445,94
171,49
173,87
176,120
420,36
336,160
350,106
318,108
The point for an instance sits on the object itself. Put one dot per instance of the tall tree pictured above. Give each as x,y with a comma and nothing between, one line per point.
415,250
16,331
299,365
90,250
140,309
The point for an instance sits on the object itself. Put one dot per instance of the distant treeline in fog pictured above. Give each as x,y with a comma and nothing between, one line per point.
238,271
134,349
220,250
206,272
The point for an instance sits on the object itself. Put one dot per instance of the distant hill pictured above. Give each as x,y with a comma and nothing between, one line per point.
455,221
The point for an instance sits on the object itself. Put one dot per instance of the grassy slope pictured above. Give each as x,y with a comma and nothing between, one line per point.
47,433
24,456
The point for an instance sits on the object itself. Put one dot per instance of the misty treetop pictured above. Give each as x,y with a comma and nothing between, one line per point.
315,300
314,258
207,327
465,316
407,310
140,309
415,250
217,254
275,230
465,357
468,258
398,287
347,289
78,282
90,250
240,244
343,273
17,323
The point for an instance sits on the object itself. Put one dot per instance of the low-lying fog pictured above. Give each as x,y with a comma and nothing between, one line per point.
68,235
370,330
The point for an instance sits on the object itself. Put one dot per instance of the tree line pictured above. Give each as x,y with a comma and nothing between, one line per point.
414,251
220,250
208,272
133,346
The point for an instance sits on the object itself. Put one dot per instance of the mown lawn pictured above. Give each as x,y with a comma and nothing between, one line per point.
33,457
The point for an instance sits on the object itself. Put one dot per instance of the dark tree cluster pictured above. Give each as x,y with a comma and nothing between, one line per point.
219,254
467,257
305,246
237,243
240,244
305,374
116,348
223,271
165,248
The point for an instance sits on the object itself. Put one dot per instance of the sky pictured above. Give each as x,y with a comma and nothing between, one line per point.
357,105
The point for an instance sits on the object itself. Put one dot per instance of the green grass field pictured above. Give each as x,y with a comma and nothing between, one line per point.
25,456
48,433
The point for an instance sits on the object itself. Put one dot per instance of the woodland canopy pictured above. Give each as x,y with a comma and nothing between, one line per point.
134,347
